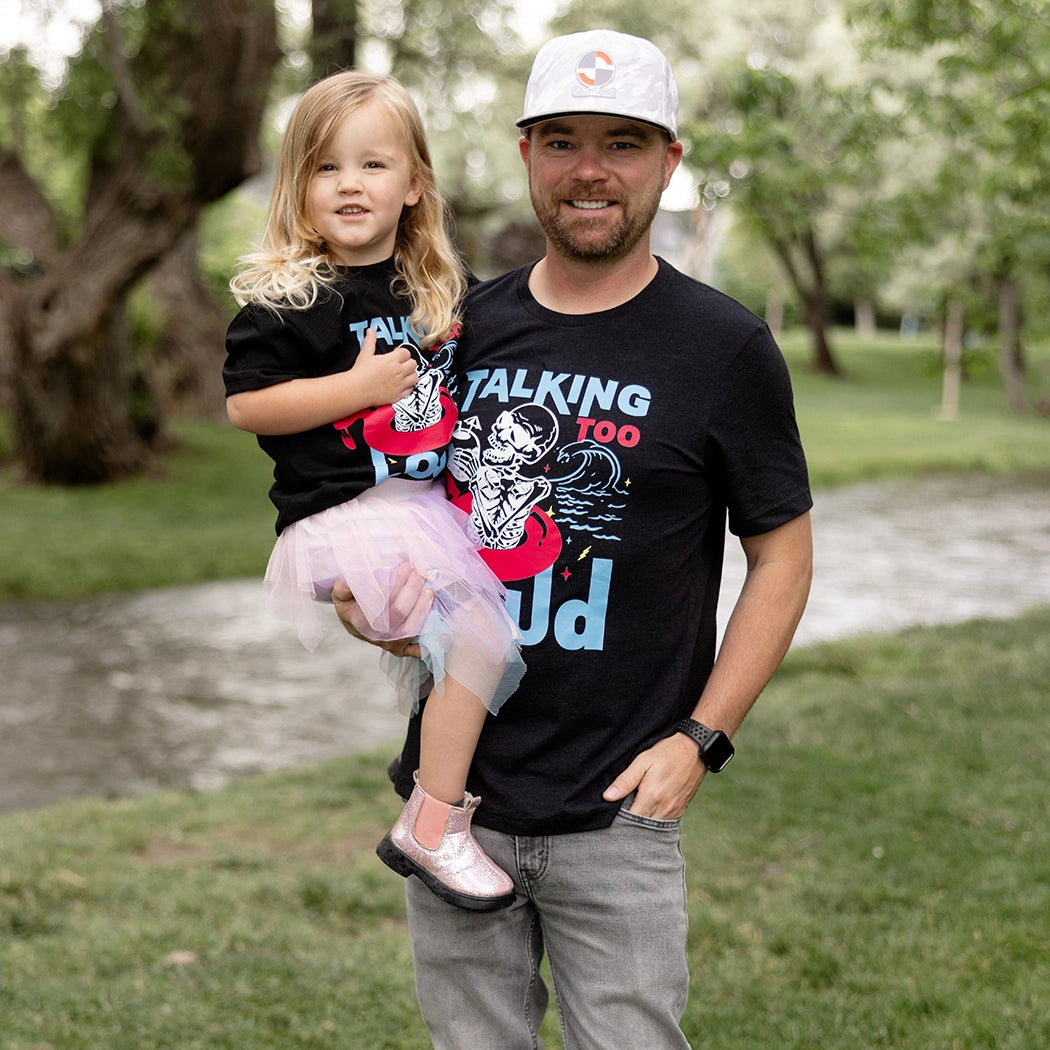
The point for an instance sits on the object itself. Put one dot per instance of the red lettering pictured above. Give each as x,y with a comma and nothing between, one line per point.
604,431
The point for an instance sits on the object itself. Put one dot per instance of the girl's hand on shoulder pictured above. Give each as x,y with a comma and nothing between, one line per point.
383,378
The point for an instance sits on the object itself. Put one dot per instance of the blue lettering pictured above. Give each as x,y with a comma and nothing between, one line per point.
586,393
474,380
420,466
581,624
536,630
578,624
425,465
598,393
634,400
519,389
382,330
391,330
548,387
405,333
379,465
497,385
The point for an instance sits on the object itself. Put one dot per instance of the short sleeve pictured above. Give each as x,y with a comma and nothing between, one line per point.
755,441
262,349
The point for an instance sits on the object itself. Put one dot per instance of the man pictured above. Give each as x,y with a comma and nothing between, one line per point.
611,411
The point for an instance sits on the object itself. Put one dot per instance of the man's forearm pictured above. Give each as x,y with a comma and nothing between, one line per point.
763,622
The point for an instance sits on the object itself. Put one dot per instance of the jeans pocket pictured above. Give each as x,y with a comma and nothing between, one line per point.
624,814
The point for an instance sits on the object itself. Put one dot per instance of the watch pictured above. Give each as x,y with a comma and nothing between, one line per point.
715,747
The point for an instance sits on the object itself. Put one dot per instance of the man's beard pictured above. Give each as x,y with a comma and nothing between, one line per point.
571,238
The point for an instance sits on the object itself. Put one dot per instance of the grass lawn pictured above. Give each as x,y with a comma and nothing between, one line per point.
871,872
202,514
883,418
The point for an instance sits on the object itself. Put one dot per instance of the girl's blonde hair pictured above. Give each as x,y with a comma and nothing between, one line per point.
294,264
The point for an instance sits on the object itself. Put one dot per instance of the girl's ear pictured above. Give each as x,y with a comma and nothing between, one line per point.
415,191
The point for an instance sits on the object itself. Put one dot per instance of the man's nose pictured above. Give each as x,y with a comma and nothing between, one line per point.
590,164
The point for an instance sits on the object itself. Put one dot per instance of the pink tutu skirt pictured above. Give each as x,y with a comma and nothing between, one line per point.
468,635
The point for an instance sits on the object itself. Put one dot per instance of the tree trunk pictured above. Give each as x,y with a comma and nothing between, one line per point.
1011,357
72,375
774,317
954,326
184,368
864,318
73,422
182,133
817,322
333,41
816,300
811,290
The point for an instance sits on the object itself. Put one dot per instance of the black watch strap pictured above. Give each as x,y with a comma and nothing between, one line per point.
715,747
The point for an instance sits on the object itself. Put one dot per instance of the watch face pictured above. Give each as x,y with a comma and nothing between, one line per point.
717,752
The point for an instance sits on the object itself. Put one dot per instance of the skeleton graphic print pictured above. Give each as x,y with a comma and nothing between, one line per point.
418,424
504,478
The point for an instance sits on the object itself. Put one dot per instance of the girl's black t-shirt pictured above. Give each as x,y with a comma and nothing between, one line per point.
331,464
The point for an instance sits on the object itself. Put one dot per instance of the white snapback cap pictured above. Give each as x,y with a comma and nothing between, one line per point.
605,73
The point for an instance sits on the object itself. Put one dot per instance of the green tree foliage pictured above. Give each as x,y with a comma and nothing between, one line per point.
790,133
799,158
984,102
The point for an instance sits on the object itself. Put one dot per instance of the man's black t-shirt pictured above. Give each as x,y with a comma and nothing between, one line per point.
599,455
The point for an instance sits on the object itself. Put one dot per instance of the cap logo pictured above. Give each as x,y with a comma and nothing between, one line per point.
593,71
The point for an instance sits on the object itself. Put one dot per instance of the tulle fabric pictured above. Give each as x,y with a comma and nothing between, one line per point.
468,635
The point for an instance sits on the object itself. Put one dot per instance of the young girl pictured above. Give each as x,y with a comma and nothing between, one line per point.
338,362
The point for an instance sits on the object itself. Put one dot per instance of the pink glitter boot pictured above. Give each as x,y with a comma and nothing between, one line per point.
433,840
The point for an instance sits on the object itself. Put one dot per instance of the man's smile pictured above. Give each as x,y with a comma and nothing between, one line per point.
590,205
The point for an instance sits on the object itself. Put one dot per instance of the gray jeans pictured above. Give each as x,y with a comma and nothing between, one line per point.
608,907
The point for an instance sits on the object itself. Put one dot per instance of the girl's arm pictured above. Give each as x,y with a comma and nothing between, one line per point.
302,404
